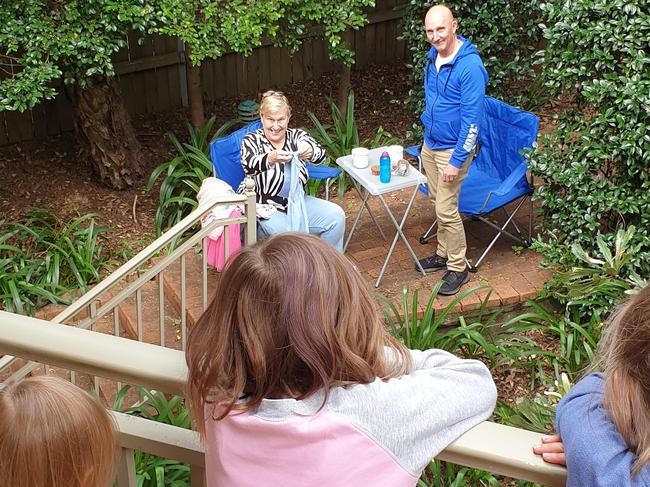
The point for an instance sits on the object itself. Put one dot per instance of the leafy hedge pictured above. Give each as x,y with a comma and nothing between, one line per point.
504,31
595,165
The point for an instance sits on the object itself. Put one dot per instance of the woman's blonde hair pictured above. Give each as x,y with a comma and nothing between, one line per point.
273,101
625,355
53,434
290,316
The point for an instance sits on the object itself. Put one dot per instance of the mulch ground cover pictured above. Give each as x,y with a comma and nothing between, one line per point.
50,173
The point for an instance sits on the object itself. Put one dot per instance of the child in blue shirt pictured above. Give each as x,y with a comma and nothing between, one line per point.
604,421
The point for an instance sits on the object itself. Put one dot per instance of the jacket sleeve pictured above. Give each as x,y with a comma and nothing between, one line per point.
595,451
253,158
472,95
319,152
416,416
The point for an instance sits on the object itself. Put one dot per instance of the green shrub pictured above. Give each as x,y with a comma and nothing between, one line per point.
595,164
597,285
44,258
505,33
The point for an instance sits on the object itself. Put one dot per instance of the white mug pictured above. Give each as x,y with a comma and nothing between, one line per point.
396,153
360,157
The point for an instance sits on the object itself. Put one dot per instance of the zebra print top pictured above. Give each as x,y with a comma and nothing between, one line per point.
255,149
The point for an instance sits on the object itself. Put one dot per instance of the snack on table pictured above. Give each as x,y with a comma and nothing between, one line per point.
402,167
375,169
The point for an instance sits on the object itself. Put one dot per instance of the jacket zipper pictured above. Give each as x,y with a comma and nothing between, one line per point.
450,67
433,104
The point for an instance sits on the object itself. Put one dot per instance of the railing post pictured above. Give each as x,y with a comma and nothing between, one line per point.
197,476
251,213
126,469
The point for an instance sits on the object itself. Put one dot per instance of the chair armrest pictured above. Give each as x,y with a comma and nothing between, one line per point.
322,172
512,180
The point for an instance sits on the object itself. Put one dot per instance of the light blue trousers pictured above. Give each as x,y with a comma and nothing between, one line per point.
326,220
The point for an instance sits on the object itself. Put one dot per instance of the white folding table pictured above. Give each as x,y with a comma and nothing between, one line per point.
373,187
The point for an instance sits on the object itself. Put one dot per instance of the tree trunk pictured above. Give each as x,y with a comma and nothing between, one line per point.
194,91
344,80
106,135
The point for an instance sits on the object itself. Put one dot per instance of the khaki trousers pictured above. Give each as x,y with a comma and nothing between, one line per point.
444,196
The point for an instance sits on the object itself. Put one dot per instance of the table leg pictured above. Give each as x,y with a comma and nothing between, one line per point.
356,218
399,234
365,204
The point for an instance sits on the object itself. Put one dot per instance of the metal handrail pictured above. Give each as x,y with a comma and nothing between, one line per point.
89,299
145,254
489,446
150,273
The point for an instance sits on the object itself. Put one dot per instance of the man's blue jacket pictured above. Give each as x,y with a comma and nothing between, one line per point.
454,102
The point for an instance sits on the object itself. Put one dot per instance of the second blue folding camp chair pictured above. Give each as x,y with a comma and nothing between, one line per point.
225,156
497,176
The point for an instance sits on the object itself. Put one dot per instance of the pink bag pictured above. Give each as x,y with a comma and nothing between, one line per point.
215,248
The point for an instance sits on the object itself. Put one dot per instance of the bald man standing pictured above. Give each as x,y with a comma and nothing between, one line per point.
454,89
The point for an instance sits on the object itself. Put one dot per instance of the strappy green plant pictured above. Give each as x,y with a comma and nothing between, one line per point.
45,259
443,474
431,331
182,175
501,345
577,339
153,471
530,414
340,137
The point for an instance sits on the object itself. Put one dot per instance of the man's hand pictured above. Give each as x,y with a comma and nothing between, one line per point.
305,152
450,173
551,449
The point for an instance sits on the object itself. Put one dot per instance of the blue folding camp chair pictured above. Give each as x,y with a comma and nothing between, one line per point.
497,176
225,155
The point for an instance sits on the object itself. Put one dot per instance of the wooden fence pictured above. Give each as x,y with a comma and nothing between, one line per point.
152,73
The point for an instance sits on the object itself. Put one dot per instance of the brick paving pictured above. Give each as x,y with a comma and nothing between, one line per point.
511,277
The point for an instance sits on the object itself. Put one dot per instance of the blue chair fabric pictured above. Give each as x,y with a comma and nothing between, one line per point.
497,176
225,155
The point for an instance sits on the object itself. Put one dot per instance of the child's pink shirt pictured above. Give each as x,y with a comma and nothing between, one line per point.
377,434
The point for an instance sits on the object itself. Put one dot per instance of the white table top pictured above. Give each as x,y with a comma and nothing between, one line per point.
371,182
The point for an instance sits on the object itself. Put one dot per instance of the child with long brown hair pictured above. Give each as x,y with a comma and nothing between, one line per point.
293,379
604,421
53,434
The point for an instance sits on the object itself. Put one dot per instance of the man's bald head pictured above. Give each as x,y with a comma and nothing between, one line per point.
441,12
440,27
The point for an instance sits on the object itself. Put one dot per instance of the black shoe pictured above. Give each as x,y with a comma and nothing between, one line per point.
432,264
452,282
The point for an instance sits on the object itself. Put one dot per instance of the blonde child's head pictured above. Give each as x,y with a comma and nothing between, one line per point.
53,434
290,316
625,355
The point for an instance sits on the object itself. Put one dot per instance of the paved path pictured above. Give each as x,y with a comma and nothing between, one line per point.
513,276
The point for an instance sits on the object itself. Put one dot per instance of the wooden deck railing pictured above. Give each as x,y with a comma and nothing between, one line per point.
489,446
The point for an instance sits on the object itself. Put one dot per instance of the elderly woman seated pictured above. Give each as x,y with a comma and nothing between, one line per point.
266,155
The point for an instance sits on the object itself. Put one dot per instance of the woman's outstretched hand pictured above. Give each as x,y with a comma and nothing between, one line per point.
305,152
551,449
278,157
